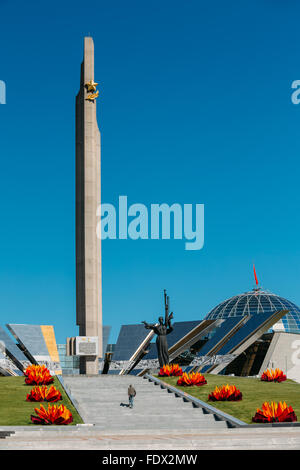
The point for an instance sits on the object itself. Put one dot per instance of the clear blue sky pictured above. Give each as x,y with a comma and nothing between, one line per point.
194,107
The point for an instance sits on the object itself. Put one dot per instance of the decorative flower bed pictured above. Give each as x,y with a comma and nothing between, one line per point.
225,393
271,375
44,393
187,380
58,415
170,370
38,375
274,412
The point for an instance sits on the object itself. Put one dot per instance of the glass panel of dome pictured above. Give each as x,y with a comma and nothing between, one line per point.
253,305
264,300
240,310
295,317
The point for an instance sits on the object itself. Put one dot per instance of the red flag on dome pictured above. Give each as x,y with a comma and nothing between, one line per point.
255,275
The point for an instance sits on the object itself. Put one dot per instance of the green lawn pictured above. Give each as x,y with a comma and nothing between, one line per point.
16,411
254,391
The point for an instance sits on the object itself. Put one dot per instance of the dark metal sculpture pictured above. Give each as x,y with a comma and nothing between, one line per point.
162,329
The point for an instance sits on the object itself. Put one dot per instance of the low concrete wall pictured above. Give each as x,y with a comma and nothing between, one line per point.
284,353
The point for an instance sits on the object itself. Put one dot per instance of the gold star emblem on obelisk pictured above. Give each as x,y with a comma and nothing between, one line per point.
91,85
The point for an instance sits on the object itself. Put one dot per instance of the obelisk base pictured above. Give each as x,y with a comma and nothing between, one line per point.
89,365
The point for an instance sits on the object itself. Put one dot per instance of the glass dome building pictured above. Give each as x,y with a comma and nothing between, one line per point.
259,301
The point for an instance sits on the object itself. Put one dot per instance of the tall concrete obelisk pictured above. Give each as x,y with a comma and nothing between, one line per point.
88,191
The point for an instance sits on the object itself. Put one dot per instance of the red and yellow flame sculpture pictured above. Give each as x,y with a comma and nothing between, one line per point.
188,380
37,375
274,412
53,415
170,370
225,393
271,375
43,393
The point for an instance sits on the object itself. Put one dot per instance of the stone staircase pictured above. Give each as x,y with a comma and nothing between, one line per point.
102,401
158,418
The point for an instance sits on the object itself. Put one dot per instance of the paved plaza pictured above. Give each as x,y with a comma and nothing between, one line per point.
96,439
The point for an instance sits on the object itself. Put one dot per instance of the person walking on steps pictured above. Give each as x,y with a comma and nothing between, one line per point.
131,395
